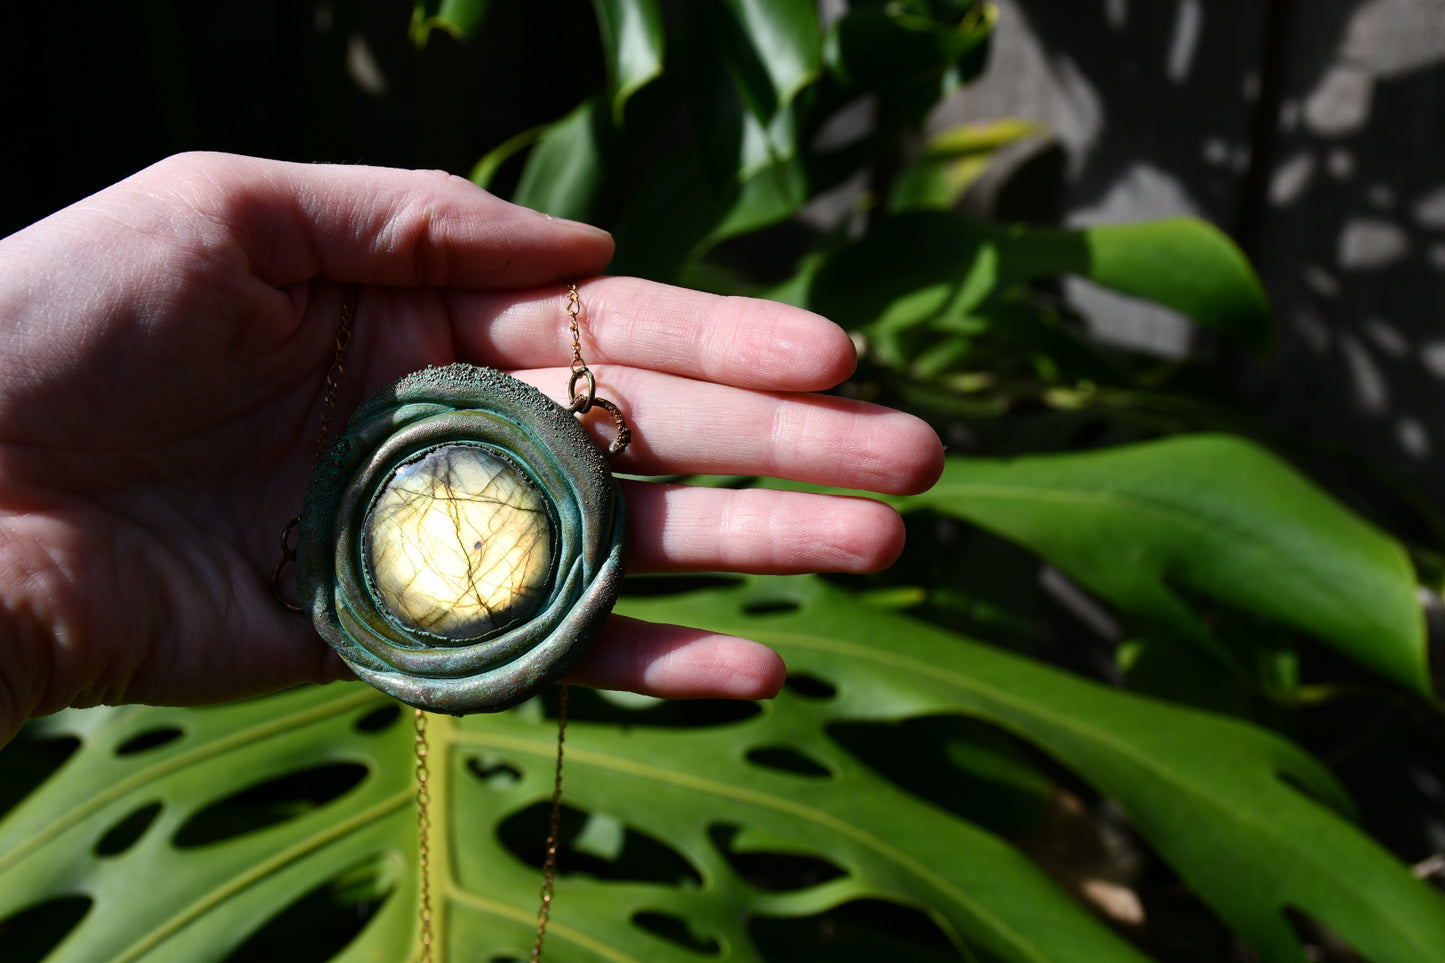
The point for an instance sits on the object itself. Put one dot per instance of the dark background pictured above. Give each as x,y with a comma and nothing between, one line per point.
1314,133
114,87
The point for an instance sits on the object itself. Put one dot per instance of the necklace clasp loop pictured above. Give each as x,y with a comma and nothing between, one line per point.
582,403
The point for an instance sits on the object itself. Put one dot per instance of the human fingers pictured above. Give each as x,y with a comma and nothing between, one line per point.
673,662
681,426
730,340
294,222
682,528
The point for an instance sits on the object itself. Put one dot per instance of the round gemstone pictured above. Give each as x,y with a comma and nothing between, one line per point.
458,543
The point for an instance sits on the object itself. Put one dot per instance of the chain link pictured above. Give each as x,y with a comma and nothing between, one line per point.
584,401
350,295
423,841
554,826
580,404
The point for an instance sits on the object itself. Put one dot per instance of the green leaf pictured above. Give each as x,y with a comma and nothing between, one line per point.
489,163
765,196
679,786
566,170
1211,514
907,270
952,160
736,175
913,265
1184,264
155,900
907,58
784,35
632,42
460,18
1234,808
1240,813
703,800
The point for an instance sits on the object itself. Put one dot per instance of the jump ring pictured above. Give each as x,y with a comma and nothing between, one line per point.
288,556
288,550
623,438
581,404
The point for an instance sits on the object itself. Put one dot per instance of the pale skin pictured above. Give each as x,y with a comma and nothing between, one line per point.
163,346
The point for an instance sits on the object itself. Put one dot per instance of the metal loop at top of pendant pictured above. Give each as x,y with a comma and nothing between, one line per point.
581,403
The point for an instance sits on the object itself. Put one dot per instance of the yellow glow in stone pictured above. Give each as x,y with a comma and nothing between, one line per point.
458,543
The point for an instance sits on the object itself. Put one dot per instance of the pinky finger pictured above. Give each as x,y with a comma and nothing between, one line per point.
673,662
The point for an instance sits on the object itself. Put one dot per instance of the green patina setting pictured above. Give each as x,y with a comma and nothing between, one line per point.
462,541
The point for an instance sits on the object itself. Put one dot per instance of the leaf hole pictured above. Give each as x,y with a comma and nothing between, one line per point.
29,761
771,606
675,929
656,586
269,803
861,931
789,760
149,739
966,767
496,775
128,831
588,706
378,720
321,923
29,935
774,872
810,686
596,845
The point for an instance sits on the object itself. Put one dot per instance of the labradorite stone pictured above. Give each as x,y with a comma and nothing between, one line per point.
392,564
458,543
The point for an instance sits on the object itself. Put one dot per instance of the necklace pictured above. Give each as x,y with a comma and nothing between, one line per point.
460,544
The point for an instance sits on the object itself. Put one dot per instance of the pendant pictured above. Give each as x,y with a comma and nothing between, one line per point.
462,542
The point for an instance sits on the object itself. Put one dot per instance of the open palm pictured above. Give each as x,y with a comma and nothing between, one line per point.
163,352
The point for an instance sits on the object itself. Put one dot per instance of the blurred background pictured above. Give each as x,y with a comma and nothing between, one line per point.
1313,133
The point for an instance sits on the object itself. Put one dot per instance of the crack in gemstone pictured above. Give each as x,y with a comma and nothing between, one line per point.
458,543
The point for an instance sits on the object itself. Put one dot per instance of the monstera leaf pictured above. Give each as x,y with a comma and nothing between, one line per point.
1251,822
125,824
132,821
1212,515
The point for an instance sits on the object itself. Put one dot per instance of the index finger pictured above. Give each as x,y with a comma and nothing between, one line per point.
747,342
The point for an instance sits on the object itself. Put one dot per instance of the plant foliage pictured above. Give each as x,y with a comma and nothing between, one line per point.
887,804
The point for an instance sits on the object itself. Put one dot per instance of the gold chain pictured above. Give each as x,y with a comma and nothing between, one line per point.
581,403
584,401
423,832
350,294
554,825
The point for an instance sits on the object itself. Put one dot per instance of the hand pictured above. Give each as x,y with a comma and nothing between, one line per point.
163,347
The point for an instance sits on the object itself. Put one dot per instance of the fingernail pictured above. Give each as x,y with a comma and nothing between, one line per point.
578,226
